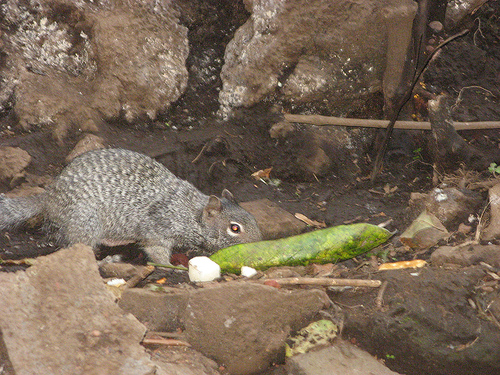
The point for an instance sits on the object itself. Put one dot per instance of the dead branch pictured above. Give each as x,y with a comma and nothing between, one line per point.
163,341
415,65
370,123
325,281
142,273
379,300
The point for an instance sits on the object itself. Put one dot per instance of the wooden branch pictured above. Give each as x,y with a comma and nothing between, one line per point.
325,281
370,123
142,273
166,342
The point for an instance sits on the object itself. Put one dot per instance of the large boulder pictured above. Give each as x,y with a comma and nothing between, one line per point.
58,318
331,52
72,64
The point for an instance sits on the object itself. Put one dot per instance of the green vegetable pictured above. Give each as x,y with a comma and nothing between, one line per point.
321,246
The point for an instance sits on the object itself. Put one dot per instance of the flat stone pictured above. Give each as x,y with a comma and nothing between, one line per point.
342,358
58,318
158,311
274,222
467,255
244,325
183,361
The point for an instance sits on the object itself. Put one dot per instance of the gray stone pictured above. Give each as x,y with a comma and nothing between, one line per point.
316,51
158,311
244,325
13,160
72,69
450,205
58,318
341,358
274,222
467,255
183,361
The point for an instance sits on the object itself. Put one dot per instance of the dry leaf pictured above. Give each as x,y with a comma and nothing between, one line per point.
310,222
263,173
389,190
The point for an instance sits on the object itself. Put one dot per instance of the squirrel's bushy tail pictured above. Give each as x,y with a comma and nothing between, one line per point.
15,211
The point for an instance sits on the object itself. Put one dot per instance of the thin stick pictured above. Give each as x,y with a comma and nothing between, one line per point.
325,281
162,341
379,300
370,123
142,273
200,153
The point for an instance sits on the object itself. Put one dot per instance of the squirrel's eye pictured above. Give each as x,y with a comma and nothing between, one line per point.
235,228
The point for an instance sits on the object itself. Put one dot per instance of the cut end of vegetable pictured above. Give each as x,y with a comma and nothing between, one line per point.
203,269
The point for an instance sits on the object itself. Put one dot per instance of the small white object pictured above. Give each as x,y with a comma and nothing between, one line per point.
116,282
203,269
248,271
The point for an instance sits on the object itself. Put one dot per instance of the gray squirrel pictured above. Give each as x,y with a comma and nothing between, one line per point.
116,196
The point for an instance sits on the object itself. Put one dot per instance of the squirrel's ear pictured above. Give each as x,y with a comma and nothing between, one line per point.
228,195
213,207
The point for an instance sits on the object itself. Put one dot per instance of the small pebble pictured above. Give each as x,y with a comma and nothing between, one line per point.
248,271
436,26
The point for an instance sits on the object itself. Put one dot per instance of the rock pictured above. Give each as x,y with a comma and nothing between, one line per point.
341,358
13,160
450,205
244,325
274,222
285,48
74,64
467,255
458,9
58,318
492,231
88,143
158,311
183,361
118,270
426,316
425,231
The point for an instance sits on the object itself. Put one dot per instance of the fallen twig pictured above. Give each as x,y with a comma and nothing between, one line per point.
379,300
142,273
163,341
370,123
205,146
325,281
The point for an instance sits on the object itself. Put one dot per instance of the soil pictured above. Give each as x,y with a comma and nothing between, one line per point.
231,150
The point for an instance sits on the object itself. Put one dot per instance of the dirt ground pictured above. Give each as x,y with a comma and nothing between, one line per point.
234,149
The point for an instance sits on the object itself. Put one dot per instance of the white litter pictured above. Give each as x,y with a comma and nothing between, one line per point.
203,269
248,271
116,282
